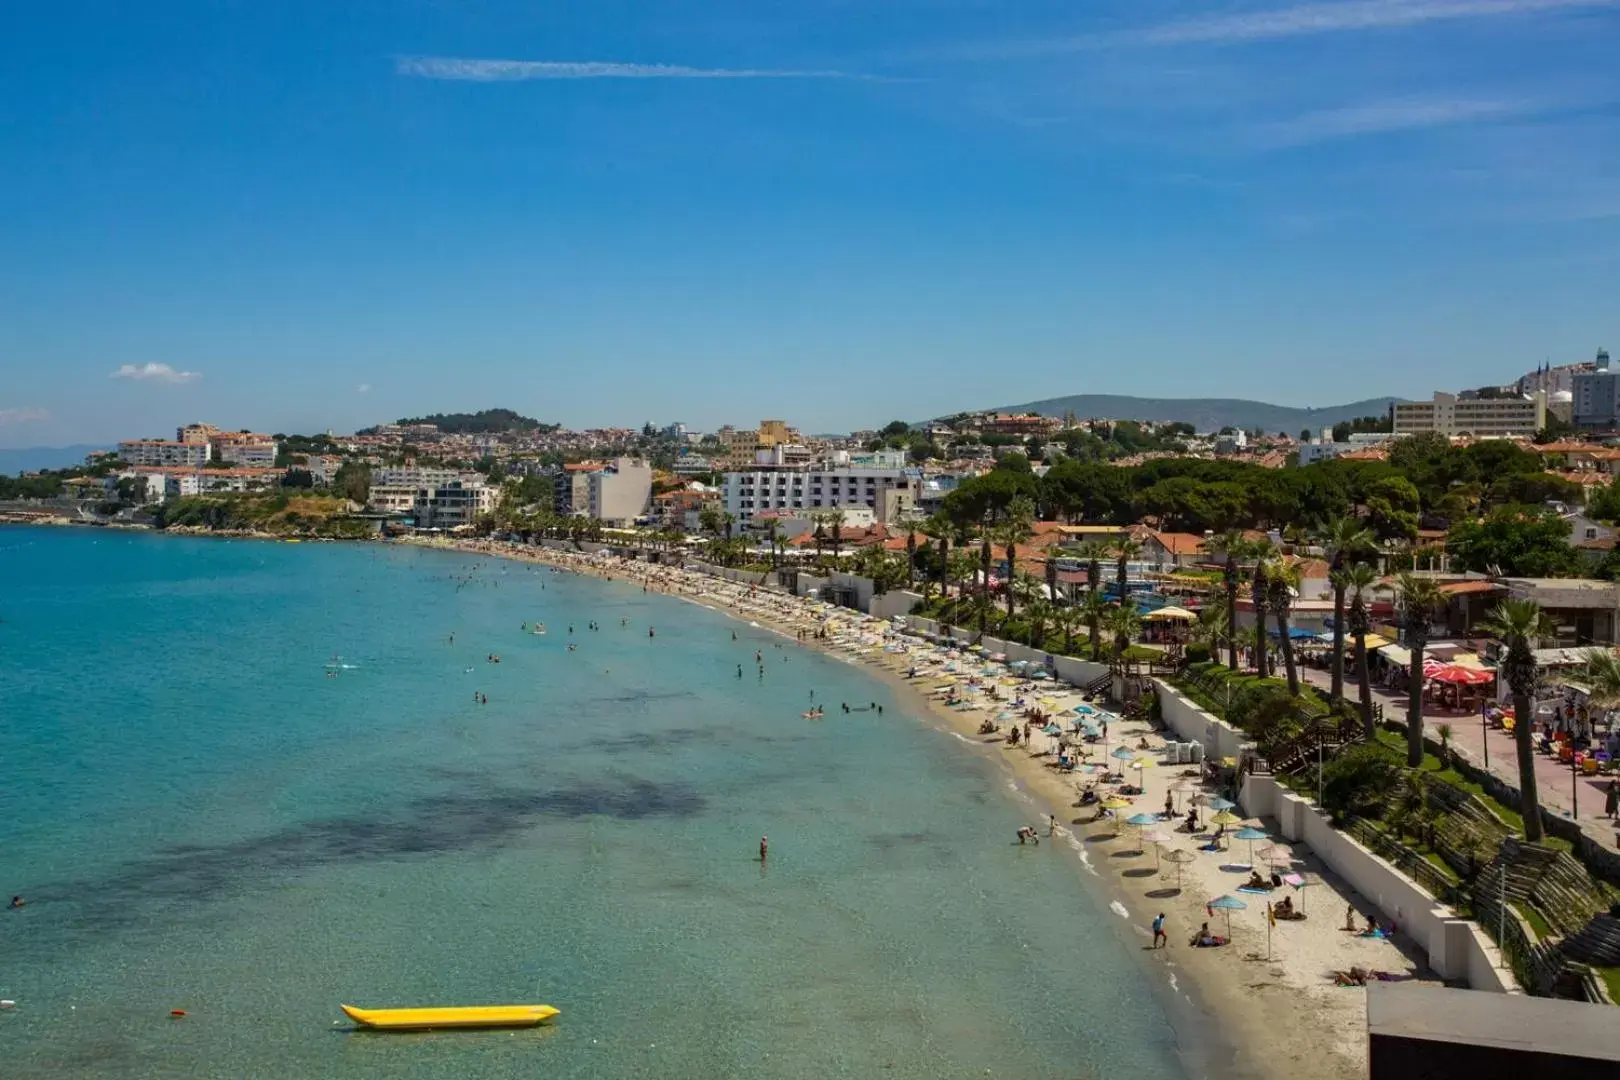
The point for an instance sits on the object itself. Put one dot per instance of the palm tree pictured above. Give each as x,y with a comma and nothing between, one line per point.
960,569
1093,609
1125,549
1017,527
1213,624
772,529
1092,553
1039,611
1419,597
938,529
1261,595
1123,623
1520,625
1235,546
1358,578
1602,674
1067,617
836,517
1282,580
1347,539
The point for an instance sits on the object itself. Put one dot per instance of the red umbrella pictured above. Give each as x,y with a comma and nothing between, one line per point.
1462,676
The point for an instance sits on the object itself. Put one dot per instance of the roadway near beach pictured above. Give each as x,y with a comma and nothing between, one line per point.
1276,996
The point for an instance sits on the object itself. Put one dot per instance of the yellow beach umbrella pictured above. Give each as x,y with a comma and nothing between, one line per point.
1226,817
1116,803
1170,614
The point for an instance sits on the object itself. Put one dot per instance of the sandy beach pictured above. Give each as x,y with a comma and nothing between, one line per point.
1276,1001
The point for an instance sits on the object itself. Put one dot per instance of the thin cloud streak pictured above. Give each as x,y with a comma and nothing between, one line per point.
1302,20
154,373
1311,19
471,70
26,415
1383,117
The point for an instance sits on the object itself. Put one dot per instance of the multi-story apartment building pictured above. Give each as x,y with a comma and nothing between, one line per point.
810,488
165,452
420,476
197,433
392,498
1481,417
246,449
616,492
452,505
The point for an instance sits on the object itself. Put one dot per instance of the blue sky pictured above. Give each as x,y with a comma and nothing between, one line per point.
302,215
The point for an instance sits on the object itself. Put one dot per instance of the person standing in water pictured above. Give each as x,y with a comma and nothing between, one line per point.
764,848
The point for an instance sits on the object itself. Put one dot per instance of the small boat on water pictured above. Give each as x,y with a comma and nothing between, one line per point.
475,1016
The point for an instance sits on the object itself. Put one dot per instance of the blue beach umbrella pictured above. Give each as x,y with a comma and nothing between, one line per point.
1052,729
1227,904
1141,821
1124,753
1040,675
1251,834
1216,803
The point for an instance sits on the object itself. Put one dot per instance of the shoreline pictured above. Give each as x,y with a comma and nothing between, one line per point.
1241,1011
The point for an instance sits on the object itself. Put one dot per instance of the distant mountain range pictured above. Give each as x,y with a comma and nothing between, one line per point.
32,458
1205,414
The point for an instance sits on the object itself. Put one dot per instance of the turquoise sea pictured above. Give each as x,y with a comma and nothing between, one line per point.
201,818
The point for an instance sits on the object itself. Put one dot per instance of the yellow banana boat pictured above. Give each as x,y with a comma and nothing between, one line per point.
476,1016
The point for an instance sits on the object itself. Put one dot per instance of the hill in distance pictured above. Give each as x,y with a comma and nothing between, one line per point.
485,421
1205,414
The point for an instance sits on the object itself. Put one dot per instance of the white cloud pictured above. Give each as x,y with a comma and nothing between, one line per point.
363,388
1328,18
465,70
154,373
1384,116
28,414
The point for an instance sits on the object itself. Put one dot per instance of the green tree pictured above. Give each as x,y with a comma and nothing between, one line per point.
1123,623
1234,547
1282,581
711,518
1418,599
1094,609
1521,625
1346,540
1517,541
1017,527
1260,595
353,481
1125,549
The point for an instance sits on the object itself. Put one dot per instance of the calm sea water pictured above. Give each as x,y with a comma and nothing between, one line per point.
201,819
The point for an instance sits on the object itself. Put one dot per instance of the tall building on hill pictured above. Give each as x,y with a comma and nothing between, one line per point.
1596,399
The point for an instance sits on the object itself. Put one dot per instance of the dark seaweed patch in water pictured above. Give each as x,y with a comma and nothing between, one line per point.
463,821
655,740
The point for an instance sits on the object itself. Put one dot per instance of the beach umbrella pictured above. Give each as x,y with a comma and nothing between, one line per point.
1226,817
1179,856
1215,802
1019,664
1040,675
1052,729
1124,753
1141,821
1116,803
1461,676
1227,904
1250,834
1278,855
1155,837
1084,710
1000,657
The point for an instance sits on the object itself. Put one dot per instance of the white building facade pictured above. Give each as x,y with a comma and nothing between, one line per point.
1481,417
159,453
817,488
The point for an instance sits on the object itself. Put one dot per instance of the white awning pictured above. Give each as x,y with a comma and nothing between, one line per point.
1397,654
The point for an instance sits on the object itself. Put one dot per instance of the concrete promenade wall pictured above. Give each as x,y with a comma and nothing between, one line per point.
1456,948
1192,723
1068,668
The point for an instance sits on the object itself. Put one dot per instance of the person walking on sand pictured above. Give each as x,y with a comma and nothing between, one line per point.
1158,932
1611,799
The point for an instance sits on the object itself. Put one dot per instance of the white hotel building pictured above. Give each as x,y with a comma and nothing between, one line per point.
806,489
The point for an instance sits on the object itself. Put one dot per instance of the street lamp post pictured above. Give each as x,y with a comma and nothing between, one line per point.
1485,736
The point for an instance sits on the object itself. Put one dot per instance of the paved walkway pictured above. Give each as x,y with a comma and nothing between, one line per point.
1556,786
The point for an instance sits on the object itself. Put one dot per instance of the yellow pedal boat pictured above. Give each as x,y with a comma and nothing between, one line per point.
476,1016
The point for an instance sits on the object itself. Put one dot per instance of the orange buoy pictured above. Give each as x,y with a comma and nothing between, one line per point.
177,1013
